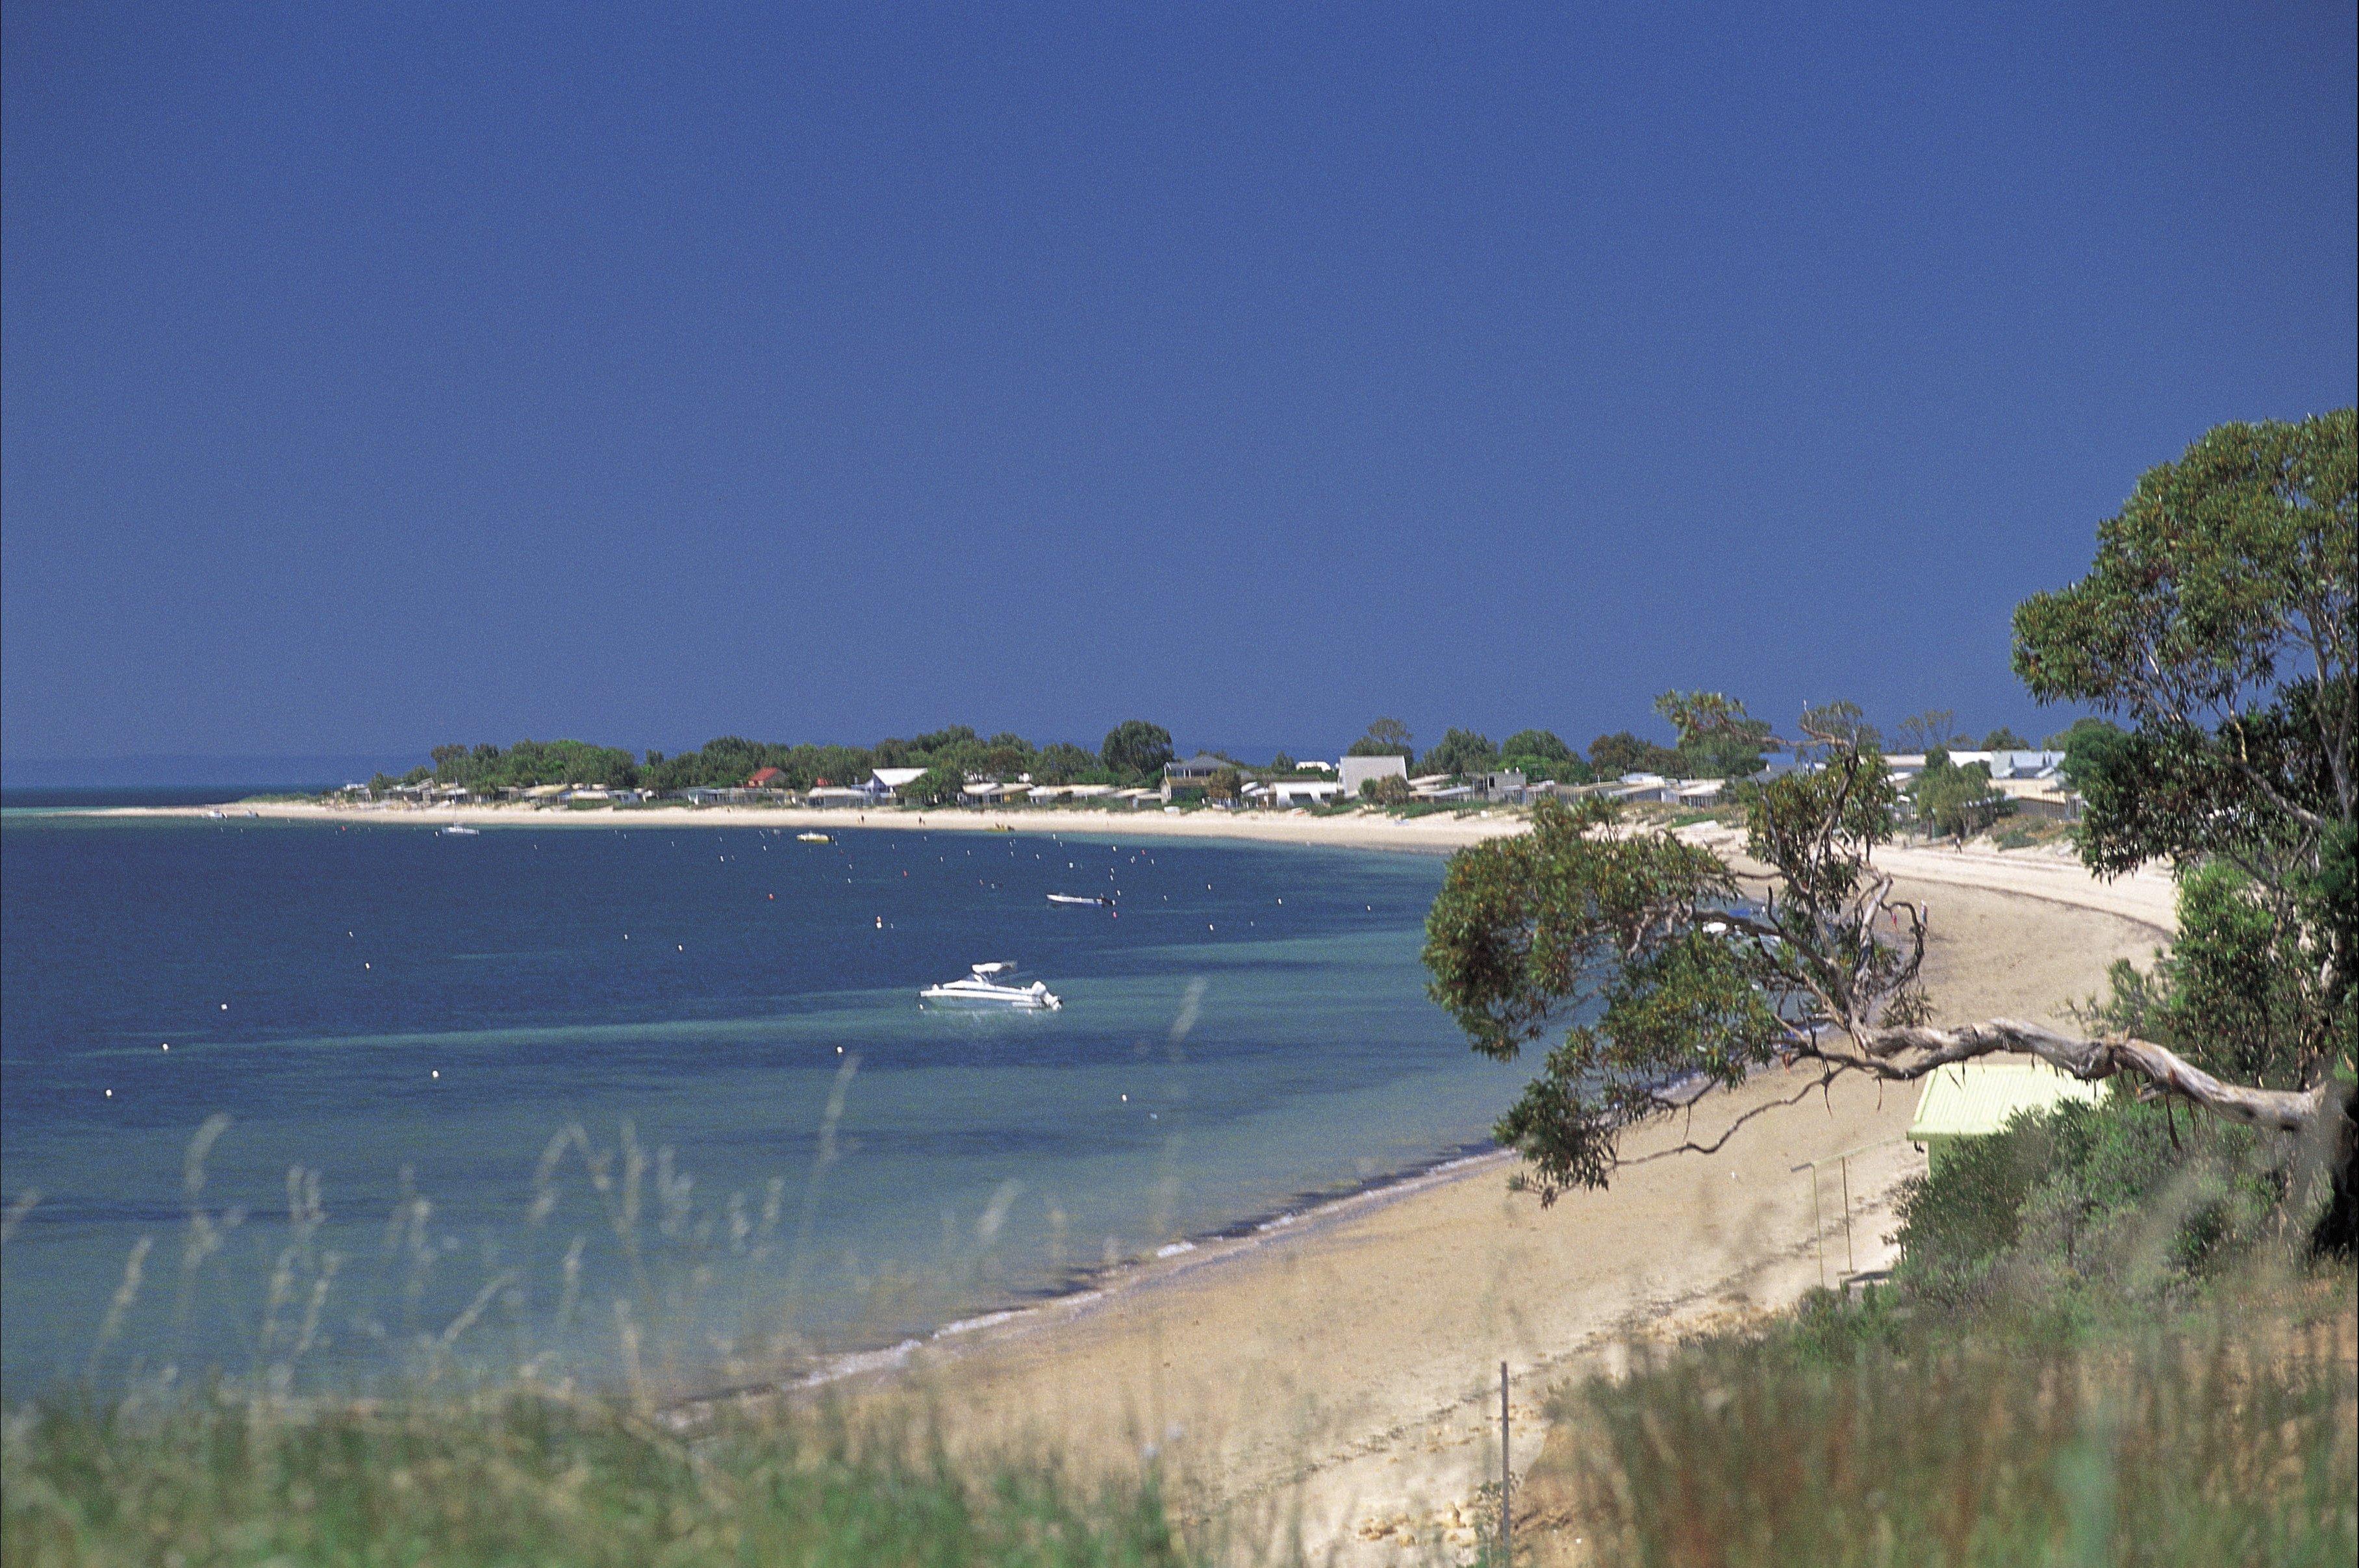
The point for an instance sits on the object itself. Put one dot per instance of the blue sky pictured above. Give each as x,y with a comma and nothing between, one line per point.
374,377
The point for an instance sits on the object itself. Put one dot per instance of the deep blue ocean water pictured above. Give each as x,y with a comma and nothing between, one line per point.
402,1012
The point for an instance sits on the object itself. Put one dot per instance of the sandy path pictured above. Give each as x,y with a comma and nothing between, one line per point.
1339,1378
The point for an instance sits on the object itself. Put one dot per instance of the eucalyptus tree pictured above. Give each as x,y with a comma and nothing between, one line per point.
2217,618
1134,748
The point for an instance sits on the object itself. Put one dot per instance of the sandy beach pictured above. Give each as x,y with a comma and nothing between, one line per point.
1334,1374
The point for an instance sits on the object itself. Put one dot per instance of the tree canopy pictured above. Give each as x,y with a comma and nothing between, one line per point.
1540,744
1541,754
529,763
1956,800
1137,749
1385,738
1717,738
1461,752
1612,755
1935,729
934,787
2218,619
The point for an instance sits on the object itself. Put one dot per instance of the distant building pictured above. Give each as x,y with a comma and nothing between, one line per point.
1506,788
768,778
887,783
1358,771
1646,787
1284,792
1193,774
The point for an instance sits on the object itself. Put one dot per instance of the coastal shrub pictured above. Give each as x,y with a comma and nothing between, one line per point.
526,1477
2090,1203
2230,1435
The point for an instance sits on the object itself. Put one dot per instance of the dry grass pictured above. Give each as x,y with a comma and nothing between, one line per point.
2229,1436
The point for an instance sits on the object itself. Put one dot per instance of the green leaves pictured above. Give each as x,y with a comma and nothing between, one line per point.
1135,748
1578,923
2219,618
1641,948
2218,569
1956,800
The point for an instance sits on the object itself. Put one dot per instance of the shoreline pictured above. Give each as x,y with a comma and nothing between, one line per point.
1104,1287
1440,831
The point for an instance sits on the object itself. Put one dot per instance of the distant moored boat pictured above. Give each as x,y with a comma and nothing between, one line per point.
981,985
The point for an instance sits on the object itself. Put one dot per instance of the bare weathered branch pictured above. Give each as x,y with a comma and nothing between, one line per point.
1885,1053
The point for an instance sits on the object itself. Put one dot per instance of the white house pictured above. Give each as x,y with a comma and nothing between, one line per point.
1303,791
1358,771
887,782
1641,787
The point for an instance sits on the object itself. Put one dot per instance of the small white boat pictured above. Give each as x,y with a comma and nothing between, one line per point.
814,838
457,830
981,984
1079,898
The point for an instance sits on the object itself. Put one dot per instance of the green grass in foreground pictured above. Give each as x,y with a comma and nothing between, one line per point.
522,1478
1853,1438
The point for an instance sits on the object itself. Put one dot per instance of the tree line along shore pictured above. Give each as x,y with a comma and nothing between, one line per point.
1953,784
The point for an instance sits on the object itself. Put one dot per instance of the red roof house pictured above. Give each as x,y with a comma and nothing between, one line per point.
767,778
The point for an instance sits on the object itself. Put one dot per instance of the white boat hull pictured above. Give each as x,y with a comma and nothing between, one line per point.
997,996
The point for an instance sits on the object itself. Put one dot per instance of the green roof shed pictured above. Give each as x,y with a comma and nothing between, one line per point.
1975,1099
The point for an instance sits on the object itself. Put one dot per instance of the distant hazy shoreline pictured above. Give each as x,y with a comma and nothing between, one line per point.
1440,831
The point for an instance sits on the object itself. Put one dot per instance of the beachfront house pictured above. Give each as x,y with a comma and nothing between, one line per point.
1356,771
833,796
1284,792
2034,780
1501,788
1975,1099
887,783
1193,776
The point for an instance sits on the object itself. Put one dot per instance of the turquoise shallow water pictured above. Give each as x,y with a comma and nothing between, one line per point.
363,1002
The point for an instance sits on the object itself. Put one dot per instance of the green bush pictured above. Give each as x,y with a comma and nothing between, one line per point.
2087,1205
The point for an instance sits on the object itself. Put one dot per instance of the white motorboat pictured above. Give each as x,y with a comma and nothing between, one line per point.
1080,898
813,838
459,830
982,985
